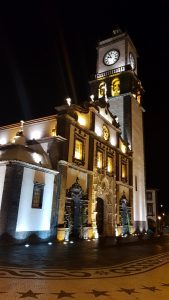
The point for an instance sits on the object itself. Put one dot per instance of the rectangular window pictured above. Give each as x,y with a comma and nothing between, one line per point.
110,164
99,159
123,171
78,149
149,195
149,209
37,195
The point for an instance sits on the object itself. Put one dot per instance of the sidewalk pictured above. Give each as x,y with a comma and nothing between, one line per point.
145,278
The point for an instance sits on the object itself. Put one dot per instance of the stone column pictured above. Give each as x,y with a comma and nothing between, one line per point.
93,204
10,199
90,205
62,199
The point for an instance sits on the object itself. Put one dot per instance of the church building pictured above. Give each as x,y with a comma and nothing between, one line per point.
80,173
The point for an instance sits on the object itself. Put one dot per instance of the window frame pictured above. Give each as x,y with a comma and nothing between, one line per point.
80,161
111,157
150,212
99,150
125,164
37,196
149,198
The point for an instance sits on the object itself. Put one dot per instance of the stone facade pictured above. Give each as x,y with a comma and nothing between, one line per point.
78,173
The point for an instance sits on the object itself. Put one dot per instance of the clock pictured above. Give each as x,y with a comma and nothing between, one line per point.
106,133
111,57
132,61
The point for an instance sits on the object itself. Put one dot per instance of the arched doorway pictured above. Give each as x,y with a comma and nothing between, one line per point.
100,216
76,211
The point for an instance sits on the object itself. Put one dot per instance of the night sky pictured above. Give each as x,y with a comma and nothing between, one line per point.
48,52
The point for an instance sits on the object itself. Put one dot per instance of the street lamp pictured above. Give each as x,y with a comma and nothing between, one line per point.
159,219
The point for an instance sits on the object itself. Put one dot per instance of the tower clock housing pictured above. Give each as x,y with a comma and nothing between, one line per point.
117,83
117,51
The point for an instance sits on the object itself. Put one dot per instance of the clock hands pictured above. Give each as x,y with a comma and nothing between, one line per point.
111,57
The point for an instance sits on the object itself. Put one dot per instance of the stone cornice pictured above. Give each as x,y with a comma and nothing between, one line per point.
124,184
73,166
31,166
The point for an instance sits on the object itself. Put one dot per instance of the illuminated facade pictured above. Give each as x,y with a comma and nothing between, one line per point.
27,184
124,94
74,174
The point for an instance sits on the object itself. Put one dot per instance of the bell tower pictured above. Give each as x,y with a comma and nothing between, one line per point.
117,83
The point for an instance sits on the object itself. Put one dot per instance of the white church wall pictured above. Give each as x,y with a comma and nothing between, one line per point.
2,178
139,202
33,219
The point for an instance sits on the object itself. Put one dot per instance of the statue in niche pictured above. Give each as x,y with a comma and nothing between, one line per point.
125,216
76,210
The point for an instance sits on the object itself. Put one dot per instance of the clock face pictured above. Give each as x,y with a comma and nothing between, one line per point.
111,57
106,133
132,61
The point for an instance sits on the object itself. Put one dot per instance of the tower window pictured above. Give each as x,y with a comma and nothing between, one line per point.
37,195
102,89
115,86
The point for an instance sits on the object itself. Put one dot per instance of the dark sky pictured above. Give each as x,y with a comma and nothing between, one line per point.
48,52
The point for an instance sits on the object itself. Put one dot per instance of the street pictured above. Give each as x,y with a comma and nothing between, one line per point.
86,270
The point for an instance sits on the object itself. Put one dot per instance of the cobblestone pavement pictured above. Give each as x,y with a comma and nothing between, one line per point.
141,278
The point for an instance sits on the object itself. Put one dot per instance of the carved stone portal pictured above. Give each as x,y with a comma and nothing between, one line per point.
105,206
76,211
